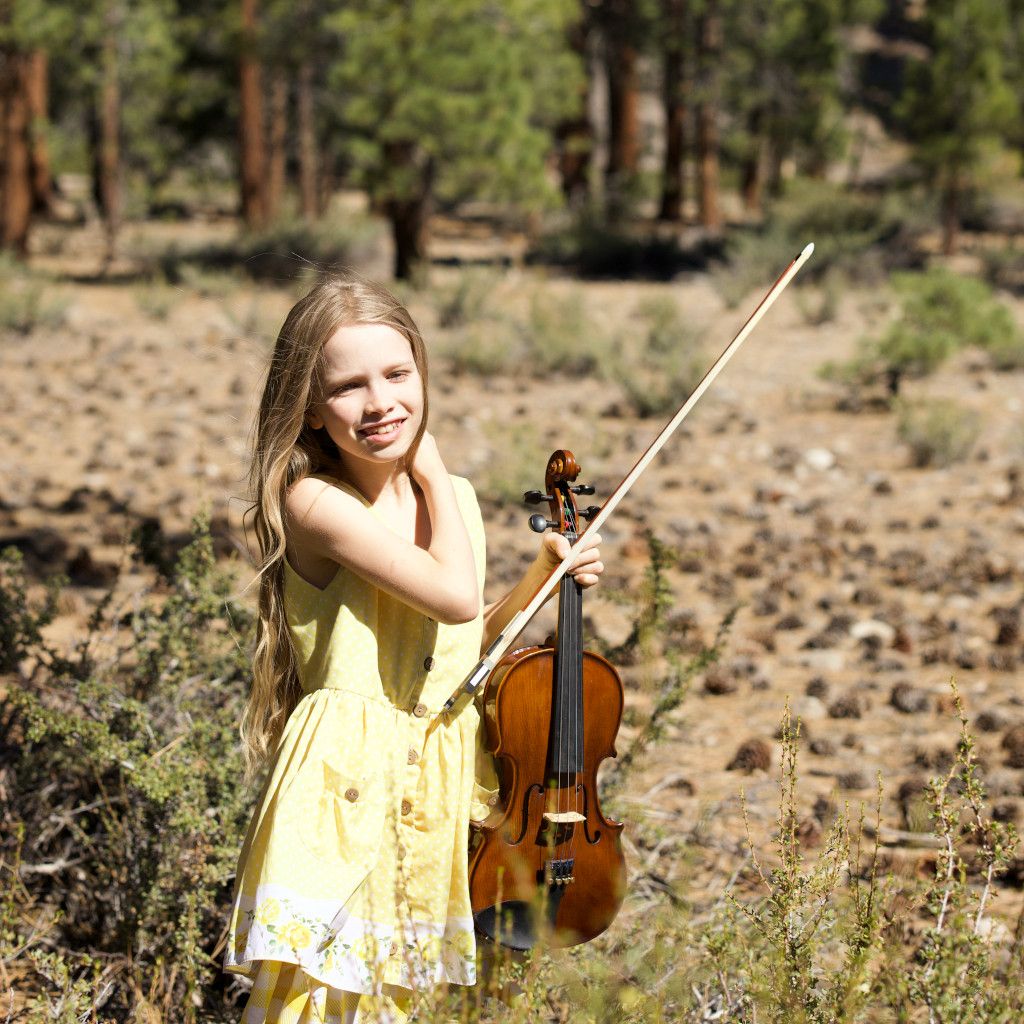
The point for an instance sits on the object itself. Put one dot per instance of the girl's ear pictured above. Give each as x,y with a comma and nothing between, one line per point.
313,421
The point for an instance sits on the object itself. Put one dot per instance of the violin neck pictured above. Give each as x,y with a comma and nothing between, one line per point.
565,750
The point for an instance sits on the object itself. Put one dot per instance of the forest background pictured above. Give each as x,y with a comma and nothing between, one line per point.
579,201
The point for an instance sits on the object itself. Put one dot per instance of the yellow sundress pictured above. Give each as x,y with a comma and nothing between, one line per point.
354,866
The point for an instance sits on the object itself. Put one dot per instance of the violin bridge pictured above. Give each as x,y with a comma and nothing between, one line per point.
564,817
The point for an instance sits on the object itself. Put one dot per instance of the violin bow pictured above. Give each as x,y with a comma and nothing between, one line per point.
518,622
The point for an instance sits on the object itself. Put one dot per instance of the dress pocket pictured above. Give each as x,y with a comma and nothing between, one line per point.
342,817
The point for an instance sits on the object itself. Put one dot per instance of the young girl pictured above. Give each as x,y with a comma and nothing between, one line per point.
352,887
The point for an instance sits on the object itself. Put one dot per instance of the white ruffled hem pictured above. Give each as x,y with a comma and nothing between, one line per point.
347,952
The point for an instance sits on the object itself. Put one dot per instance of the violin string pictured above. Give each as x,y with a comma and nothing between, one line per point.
564,658
577,696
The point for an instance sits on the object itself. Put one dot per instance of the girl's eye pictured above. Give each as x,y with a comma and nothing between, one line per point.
399,375
343,389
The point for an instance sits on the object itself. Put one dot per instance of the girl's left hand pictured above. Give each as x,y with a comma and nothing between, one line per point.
587,566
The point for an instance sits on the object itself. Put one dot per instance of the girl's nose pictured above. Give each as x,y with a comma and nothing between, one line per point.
377,399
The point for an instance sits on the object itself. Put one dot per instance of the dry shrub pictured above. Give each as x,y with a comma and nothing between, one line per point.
938,431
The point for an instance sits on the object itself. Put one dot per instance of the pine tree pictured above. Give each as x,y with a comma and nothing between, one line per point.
709,57
443,101
676,52
251,143
958,104
783,73
29,29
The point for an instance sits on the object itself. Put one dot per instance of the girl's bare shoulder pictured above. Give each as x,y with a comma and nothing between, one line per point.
317,507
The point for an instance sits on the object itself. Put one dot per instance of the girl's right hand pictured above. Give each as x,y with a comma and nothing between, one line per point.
427,464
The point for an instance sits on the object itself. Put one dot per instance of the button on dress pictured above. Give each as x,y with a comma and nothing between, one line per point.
354,866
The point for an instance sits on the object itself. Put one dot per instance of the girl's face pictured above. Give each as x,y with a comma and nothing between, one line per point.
374,394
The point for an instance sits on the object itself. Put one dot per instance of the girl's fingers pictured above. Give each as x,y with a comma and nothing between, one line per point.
588,577
587,565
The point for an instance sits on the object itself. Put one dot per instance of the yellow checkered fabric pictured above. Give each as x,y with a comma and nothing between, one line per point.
284,994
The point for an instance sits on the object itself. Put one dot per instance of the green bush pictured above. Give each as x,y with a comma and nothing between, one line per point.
659,365
561,335
466,300
937,431
557,335
155,298
1007,351
857,234
283,252
1004,268
827,939
940,312
27,304
123,817
123,772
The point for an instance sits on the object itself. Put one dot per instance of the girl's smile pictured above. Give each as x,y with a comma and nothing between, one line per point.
383,433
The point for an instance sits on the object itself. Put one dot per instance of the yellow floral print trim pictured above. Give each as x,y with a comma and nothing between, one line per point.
296,935
267,912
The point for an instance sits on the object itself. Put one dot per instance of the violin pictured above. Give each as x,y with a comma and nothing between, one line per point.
546,864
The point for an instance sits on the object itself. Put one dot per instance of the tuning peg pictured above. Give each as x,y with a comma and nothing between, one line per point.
582,489
590,511
535,497
539,523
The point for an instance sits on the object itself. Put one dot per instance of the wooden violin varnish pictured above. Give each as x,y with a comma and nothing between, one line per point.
547,865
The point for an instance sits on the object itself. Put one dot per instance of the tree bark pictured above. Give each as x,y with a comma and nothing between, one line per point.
277,139
575,136
109,157
709,55
673,92
39,155
252,156
622,110
950,214
16,210
409,213
617,28
752,171
309,195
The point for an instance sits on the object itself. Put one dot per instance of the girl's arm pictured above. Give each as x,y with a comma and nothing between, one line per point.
439,581
587,567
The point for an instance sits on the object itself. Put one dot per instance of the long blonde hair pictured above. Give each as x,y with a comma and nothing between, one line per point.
286,449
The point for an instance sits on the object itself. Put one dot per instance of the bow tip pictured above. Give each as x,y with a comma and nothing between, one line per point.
808,249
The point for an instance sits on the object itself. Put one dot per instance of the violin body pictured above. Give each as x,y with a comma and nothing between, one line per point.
523,859
547,865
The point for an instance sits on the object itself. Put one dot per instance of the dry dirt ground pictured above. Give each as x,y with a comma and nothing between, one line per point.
862,583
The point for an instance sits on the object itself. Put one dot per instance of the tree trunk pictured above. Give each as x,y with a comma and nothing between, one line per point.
575,136
709,55
621,69
16,210
409,214
109,162
252,157
777,149
622,109
39,155
752,171
277,140
950,214
309,198
673,94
